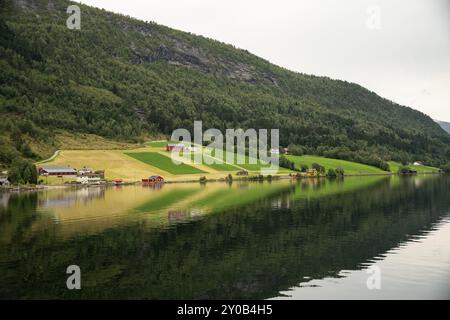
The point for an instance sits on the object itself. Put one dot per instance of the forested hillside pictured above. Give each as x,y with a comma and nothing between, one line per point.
124,79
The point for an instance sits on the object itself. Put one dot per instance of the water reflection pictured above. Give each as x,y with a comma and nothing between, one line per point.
252,240
66,199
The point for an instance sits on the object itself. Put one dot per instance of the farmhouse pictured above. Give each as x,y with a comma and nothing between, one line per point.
58,171
153,179
175,147
85,171
418,163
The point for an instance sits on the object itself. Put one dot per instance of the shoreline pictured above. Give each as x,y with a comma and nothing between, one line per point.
18,189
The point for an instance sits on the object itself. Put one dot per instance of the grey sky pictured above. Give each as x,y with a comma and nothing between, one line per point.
402,54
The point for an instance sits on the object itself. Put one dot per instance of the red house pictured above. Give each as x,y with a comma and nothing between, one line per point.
153,179
175,147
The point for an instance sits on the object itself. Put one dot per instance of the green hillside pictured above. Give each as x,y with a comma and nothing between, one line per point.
395,166
348,166
125,79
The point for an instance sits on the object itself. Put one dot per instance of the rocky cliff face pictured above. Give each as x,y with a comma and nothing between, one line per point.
182,54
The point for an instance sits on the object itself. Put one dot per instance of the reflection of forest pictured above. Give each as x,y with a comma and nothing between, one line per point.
250,251
4,199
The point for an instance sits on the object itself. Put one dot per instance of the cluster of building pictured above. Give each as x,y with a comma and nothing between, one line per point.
279,151
178,147
83,176
153,179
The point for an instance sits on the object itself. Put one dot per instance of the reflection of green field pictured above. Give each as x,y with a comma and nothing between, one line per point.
164,163
166,200
316,188
395,166
348,166
239,195
220,197
213,199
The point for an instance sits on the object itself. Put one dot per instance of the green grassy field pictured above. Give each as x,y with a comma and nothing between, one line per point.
219,166
250,166
160,144
156,144
232,166
216,166
348,166
164,163
395,166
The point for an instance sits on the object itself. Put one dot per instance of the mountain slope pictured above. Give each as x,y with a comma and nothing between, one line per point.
122,78
444,125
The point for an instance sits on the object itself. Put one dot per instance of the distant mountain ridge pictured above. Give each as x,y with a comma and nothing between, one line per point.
123,79
444,125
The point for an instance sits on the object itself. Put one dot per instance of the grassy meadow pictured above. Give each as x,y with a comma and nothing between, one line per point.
163,162
395,166
152,159
348,166
134,164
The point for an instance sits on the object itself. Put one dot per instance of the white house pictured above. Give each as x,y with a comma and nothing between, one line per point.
191,149
85,170
418,163
88,180
274,151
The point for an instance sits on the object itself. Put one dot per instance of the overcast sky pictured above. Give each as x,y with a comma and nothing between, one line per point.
398,48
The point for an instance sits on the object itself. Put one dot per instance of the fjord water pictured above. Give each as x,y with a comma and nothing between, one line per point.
308,239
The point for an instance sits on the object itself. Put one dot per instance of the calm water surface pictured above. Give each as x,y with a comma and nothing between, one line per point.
311,239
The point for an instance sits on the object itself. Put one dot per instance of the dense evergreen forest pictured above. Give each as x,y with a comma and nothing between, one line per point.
125,79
